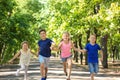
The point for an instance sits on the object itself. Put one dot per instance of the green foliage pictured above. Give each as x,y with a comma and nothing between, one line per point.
21,20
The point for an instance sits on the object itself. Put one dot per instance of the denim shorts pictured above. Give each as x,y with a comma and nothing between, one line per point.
65,59
93,67
44,60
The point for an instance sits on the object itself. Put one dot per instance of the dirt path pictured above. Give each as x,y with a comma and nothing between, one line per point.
79,72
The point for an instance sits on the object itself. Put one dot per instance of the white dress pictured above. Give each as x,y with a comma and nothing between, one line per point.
25,57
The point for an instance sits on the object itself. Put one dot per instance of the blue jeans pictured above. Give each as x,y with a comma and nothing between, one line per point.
93,67
65,59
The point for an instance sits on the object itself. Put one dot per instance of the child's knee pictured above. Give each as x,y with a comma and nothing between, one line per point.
42,65
69,62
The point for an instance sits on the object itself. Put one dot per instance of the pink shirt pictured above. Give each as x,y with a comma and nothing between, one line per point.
65,50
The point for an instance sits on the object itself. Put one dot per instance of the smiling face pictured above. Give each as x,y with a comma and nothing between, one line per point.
25,45
65,36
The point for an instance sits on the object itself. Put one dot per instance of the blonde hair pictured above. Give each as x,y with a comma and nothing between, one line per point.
66,33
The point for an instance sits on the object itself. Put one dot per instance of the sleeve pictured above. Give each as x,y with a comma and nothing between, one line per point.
99,48
51,42
86,47
38,43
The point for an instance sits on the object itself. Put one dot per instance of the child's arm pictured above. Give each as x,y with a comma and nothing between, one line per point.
38,51
83,50
16,55
59,46
54,47
74,48
34,53
101,53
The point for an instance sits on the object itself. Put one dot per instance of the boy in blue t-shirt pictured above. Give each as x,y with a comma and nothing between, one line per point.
44,53
92,49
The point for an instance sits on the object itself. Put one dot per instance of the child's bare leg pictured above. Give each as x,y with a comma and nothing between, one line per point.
42,69
69,62
64,66
92,76
46,70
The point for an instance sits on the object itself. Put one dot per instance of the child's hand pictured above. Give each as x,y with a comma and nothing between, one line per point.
79,50
52,46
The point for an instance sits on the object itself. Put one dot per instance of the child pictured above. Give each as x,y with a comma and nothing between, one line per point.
44,52
25,55
92,49
65,46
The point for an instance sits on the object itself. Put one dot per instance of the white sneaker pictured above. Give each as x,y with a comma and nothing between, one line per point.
17,73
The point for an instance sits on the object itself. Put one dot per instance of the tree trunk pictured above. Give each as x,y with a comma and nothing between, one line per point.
88,34
104,48
113,55
2,53
117,53
1,47
75,53
80,45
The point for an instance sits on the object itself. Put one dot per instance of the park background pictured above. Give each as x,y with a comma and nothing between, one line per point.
21,20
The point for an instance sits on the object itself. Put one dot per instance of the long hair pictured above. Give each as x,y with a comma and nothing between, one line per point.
67,34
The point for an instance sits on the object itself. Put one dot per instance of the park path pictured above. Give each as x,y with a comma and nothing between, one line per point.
55,72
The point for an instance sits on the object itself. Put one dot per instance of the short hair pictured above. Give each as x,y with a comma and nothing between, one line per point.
42,30
93,35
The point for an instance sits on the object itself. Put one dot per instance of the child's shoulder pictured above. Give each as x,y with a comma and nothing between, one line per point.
49,39
39,40
87,44
97,44
20,50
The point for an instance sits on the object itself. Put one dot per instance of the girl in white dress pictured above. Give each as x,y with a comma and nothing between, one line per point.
25,55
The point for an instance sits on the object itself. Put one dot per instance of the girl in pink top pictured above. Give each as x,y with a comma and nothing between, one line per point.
65,46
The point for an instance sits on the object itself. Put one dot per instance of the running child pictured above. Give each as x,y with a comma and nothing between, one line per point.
25,54
65,47
44,52
92,50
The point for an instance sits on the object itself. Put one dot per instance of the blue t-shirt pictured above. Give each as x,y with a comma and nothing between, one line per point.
45,47
92,52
